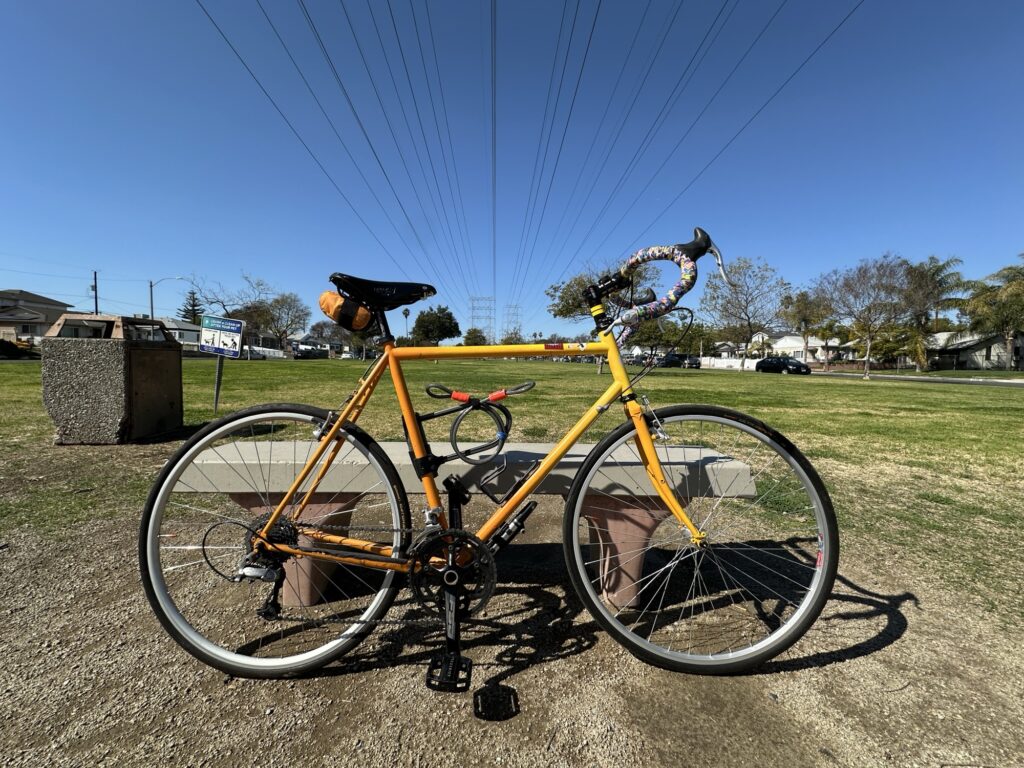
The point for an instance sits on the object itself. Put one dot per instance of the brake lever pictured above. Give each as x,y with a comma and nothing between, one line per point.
713,249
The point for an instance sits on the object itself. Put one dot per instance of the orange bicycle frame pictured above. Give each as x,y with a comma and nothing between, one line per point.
382,556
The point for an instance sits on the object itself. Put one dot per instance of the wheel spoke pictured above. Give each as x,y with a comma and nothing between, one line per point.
731,601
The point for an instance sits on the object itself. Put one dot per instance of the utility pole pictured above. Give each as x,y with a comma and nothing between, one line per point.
95,295
151,284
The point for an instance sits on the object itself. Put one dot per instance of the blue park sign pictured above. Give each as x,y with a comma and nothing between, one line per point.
221,336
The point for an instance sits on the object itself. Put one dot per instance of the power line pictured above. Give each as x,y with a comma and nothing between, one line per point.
694,122
540,139
680,86
366,136
736,135
391,129
753,117
460,224
593,141
302,141
565,131
494,149
330,122
547,141
408,127
419,120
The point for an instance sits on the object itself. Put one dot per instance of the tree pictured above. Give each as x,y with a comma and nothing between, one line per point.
192,310
248,304
434,325
929,287
513,336
474,337
648,335
567,298
287,314
996,305
750,305
328,330
866,297
256,317
803,312
228,302
699,340
829,328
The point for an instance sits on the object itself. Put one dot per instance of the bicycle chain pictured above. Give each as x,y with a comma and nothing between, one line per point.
433,622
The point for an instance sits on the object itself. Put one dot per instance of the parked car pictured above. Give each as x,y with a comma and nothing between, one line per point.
346,356
781,365
670,361
311,353
692,362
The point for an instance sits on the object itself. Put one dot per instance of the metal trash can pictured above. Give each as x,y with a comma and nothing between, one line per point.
110,379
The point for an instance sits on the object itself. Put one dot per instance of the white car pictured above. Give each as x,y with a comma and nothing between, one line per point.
346,356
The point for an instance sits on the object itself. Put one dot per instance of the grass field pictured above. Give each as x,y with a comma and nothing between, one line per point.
928,476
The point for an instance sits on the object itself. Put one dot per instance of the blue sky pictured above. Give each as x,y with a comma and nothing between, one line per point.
134,142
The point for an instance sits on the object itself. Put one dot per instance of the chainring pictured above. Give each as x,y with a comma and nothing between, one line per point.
472,560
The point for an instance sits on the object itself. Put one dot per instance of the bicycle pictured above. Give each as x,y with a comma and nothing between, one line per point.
698,537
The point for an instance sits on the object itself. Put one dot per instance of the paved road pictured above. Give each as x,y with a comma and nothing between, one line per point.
931,379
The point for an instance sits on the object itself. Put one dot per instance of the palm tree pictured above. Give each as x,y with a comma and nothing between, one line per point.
996,305
929,288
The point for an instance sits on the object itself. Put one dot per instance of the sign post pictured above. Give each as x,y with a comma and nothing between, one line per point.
220,336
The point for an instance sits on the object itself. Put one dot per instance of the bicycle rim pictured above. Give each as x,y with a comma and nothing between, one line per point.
756,583
198,527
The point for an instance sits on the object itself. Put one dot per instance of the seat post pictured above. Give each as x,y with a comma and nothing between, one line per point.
382,322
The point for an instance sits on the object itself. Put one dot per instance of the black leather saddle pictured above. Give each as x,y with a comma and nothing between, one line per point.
380,295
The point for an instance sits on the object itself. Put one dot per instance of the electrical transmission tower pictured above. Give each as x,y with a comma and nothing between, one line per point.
513,319
481,313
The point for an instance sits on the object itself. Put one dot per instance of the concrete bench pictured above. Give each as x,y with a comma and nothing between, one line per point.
621,514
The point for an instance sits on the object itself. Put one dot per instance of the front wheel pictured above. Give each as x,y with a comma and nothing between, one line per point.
275,615
750,589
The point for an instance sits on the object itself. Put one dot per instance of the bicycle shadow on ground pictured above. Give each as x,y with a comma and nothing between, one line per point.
175,435
533,619
856,622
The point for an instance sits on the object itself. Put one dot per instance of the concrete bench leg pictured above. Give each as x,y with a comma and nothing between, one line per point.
621,530
306,579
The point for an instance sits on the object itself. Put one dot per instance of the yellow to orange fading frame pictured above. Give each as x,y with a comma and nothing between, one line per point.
392,360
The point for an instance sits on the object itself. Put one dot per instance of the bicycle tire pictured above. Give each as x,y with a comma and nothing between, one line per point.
770,555
201,514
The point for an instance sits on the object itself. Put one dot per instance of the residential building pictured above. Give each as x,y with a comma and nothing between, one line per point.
27,316
184,332
958,351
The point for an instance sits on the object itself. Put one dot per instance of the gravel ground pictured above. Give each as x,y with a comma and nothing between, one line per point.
897,672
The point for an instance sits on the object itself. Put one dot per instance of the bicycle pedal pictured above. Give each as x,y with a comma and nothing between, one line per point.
449,672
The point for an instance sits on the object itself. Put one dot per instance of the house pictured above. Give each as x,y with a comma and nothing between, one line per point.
761,345
184,332
792,345
27,316
958,351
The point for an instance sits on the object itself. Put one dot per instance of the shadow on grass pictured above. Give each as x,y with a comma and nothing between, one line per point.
536,625
175,435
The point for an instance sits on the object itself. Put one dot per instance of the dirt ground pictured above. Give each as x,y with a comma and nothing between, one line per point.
897,672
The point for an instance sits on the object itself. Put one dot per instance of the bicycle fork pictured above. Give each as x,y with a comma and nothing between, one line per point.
642,418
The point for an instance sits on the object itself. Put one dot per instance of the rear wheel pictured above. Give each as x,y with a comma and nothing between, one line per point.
279,615
747,592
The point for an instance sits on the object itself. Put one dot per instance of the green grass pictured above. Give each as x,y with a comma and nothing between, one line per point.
933,471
